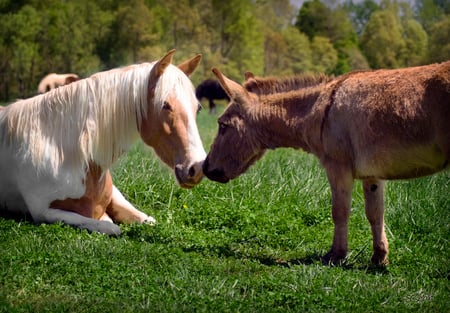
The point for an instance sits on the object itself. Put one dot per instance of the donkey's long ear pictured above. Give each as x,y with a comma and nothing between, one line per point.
234,90
189,66
248,75
162,64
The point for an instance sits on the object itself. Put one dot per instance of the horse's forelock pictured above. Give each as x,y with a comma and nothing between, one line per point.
173,80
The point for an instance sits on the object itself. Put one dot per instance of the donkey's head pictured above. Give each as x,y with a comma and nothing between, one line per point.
169,125
236,145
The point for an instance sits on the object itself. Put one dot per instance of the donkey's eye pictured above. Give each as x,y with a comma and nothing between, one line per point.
167,106
222,128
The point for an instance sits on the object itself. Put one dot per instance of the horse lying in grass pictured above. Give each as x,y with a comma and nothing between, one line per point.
56,149
373,126
210,89
53,80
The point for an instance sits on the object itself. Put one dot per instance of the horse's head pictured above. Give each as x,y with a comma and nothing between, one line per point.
169,125
236,145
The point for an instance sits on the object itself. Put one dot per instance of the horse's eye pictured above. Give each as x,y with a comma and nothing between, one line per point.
167,106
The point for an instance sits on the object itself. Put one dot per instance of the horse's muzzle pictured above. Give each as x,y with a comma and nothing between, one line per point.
190,176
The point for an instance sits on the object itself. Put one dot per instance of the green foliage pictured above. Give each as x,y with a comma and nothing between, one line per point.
324,55
439,42
382,40
252,245
416,40
268,37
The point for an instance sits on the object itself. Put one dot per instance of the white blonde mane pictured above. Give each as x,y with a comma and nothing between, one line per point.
92,120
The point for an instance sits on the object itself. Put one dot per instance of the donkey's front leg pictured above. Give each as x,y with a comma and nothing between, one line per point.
374,204
341,182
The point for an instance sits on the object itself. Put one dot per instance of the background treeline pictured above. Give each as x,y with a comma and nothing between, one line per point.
268,37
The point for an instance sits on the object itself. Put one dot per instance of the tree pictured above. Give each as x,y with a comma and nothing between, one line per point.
439,42
238,38
312,19
430,12
133,32
416,41
316,19
359,13
20,31
324,56
382,41
287,52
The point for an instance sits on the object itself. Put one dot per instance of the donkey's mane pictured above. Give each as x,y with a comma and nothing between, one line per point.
92,120
270,85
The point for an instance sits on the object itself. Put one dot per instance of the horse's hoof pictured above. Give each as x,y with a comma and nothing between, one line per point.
150,221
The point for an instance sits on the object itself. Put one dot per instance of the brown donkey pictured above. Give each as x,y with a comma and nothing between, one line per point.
374,126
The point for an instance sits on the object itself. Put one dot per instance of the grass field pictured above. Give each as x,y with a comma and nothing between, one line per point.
252,245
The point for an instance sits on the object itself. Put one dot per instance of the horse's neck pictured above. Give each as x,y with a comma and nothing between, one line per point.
287,119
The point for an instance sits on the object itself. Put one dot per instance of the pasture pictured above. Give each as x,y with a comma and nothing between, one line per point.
252,245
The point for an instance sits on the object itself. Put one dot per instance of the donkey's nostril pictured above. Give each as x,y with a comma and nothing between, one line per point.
191,171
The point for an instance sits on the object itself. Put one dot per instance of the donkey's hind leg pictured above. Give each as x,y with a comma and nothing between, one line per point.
121,210
374,204
341,182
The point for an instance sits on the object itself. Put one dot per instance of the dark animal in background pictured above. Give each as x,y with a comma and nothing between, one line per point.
211,89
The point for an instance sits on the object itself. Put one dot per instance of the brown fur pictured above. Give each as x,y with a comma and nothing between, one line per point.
97,197
270,85
374,126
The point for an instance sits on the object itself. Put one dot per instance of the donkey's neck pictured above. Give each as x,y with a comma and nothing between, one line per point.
287,119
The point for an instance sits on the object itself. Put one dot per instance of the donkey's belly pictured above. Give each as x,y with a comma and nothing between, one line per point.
402,163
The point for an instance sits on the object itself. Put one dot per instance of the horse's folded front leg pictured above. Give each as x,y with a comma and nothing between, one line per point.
54,215
341,182
120,210
374,204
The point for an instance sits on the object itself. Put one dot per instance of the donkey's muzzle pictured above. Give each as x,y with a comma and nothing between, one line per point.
217,175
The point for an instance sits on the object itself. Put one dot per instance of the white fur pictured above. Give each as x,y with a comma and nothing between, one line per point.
47,142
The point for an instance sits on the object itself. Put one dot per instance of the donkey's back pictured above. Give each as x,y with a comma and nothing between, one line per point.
397,122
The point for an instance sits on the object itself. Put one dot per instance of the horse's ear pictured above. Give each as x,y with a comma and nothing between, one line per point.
163,63
248,75
189,66
234,90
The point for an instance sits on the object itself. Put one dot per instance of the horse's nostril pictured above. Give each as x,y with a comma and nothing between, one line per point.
191,171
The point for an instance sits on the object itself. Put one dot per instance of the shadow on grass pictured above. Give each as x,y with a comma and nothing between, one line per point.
226,250
15,216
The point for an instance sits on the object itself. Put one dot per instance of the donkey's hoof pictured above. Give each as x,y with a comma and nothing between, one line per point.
333,258
381,260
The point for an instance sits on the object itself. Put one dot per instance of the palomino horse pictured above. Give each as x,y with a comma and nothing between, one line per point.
56,149
210,89
53,80
373,126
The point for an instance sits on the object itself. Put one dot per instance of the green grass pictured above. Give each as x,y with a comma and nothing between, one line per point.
252,245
